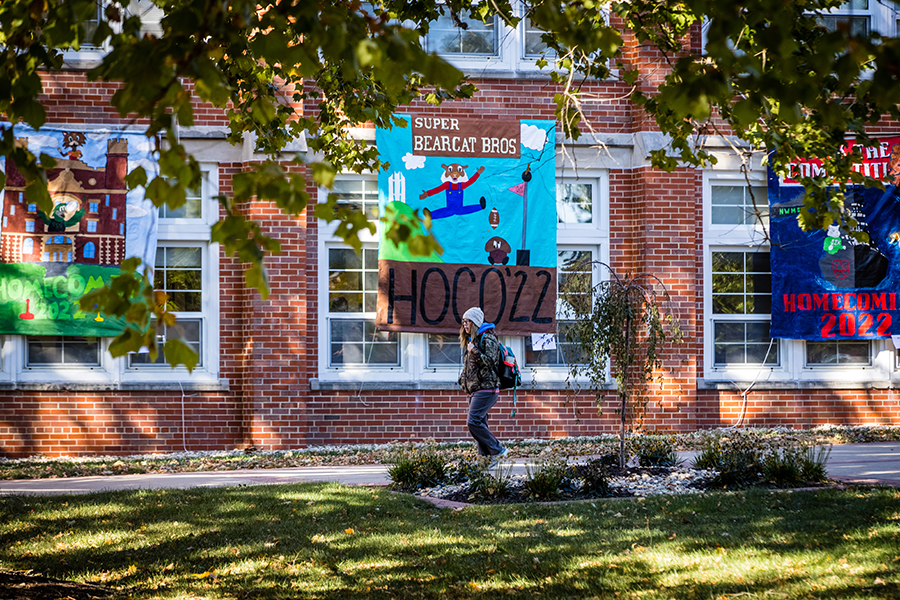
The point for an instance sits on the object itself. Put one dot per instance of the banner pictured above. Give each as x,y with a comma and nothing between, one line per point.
826,285
48,262
489,186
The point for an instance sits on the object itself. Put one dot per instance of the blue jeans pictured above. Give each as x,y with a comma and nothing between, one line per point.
479,404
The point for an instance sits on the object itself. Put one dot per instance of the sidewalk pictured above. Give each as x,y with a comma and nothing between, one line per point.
850,463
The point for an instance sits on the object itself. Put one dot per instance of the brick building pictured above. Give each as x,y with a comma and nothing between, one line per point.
308,366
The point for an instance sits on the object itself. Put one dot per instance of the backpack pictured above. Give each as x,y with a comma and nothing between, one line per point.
507,369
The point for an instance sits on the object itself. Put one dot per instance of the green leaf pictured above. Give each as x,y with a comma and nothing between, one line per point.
324,174
179,353
369,54
255,278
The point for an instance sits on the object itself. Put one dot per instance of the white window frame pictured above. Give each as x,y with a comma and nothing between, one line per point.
510,56
593,237
96,374
192,233
207,371
875,15
793,365
88,57
411,357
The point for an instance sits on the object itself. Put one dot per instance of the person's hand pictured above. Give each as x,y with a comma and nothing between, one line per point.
470,347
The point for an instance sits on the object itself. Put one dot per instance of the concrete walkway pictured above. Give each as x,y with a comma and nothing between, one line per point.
850,463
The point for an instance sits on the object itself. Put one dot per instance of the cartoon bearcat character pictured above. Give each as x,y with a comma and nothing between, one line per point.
454,181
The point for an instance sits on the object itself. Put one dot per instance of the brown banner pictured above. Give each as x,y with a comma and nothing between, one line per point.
429,297
465,138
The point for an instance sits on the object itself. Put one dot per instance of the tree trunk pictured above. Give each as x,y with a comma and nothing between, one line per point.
623,393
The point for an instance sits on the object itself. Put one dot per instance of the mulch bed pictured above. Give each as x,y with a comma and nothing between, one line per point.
519,494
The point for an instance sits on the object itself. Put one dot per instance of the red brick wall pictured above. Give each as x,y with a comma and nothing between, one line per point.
82,423
798,409
381,417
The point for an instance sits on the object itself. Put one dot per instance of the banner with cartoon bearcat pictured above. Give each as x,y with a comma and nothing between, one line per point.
49,261
488,186
826,285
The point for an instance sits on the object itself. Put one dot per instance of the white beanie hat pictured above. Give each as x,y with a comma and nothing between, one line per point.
476,315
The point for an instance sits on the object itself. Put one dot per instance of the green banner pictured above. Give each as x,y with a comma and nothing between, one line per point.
35,303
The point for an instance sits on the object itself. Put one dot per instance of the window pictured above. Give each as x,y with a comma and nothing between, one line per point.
444,349
90,27
149,14
357,342
94,207
741,292
29,226
738,290
851,17
88,52
179,273
191,209
534,44
564,351
577,266
189,331
186,268
358,193
739,205
32,208
575,202
68,351
446,37
12,209
829,354
92,226
352,297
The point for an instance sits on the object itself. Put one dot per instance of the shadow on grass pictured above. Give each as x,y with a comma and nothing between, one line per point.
330,541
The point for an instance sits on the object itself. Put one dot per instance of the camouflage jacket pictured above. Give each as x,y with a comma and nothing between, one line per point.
480,365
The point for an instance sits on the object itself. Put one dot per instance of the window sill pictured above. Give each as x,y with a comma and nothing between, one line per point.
738,386
169,386
317,385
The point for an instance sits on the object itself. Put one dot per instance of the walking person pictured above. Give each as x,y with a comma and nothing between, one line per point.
480,381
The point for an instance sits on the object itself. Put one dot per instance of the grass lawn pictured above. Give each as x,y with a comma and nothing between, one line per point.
333,541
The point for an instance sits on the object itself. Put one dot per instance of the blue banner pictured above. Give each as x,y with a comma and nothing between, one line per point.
825,284
489,187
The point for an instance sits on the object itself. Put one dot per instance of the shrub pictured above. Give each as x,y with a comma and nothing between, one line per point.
486,486
417,468
546,478
655,450
464,469
595,475
737,459
782,468
812,464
